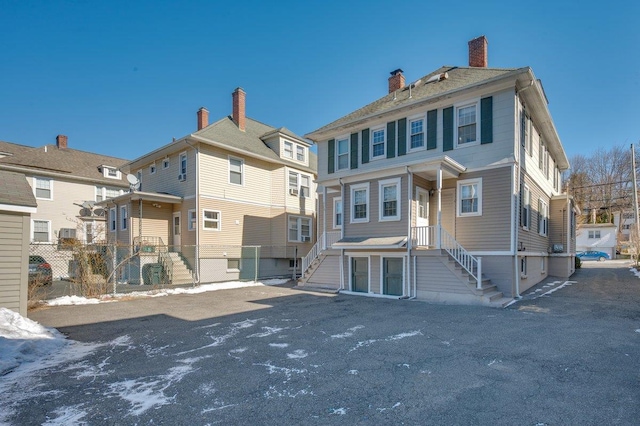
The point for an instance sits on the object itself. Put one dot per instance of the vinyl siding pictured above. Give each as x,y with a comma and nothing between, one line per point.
491,230
375,227
156,222
14,239
166,180
374,274
327,272
558,222
531,238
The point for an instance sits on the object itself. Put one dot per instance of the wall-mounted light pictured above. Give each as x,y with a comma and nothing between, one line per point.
431,192
521,246
156,205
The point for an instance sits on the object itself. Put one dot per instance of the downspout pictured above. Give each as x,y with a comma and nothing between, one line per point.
515,207
410,275
342,235
197,250
324,217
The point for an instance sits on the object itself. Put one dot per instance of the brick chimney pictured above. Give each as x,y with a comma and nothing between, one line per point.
396,81
61,141
239,116
203,118
478,52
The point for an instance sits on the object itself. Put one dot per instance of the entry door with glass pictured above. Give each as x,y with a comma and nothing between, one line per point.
176,229
422,217
392,277
360,274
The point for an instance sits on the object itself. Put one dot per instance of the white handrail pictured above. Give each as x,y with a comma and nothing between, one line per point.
472,264
325,241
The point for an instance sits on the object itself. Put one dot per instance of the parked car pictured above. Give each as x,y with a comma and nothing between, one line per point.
593,255
39,271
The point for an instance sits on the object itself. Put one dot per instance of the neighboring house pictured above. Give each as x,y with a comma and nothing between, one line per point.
446,189
210,198
17,204
625,222
597,236
66,183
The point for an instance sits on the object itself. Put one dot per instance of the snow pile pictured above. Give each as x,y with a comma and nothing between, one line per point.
23,340
78,300
635,272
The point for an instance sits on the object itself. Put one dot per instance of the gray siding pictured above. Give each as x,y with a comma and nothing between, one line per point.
327,273
531,238
14,239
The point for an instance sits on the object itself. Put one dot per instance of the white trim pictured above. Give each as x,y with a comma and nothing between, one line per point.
402,256
543,207
417,117
231,157
526,203
113,219
368,257
105,172
234,269
48,222
352,189
284,151
359,293
182,175
337,156
17,209
195,225
464,182
166,163
124,218
153,168
397,182
299,220
35,188
492,253
372,130
336,199
456,107
299,176
206,220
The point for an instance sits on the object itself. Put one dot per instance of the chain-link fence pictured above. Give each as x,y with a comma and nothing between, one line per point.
96,269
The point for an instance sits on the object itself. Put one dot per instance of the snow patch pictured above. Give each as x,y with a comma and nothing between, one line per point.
339,411
298,354
67,416
354,372
279,345
268,332
386,339
347,333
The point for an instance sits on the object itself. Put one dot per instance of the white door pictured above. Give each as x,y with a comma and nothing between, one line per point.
422,217
176,229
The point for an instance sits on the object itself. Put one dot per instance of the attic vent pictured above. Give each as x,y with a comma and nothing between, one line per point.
438,77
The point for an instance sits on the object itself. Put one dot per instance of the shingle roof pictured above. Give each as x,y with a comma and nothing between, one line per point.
15,190
458,78
50,158
227,133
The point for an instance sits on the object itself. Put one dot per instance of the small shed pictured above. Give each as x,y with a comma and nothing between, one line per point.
17,202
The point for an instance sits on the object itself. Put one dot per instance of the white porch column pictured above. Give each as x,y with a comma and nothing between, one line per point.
324,217
439,215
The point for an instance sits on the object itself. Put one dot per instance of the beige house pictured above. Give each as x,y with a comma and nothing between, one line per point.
17,204
445,189
67,183
235,199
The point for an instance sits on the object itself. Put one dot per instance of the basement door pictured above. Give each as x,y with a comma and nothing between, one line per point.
360,274
393,275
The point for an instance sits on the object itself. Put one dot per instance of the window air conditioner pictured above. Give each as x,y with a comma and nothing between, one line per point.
305,239
182,177
293,192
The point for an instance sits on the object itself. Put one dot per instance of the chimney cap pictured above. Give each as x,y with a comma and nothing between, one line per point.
396,72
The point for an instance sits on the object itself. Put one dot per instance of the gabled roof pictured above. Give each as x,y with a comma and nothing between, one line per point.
458,78
15,190
65,161
226,133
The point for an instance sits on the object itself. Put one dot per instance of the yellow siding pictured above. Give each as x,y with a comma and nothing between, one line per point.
166,180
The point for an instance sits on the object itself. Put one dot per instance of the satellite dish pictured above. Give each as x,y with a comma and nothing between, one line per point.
98,212
88,204
134,183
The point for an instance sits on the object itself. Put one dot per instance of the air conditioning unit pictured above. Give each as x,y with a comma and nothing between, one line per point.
182,177
557,248
67,233
293,192
306,239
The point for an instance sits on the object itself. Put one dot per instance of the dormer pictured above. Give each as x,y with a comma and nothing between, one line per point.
288,147
110,172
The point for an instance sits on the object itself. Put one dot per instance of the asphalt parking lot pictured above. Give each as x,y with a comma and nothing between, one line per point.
567,353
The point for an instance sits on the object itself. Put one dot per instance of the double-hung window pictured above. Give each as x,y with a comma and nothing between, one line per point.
470,197
543,218
299,229
389,191
43,188
300,153
236,166
191,215
594,234
299,184
112,220
165,163
342,154
183,166
337,213
288,149
41,231
211,220
360,203
525,216
378,142
123,218
467,124
416,132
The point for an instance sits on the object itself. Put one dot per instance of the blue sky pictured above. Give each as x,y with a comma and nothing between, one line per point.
123,78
